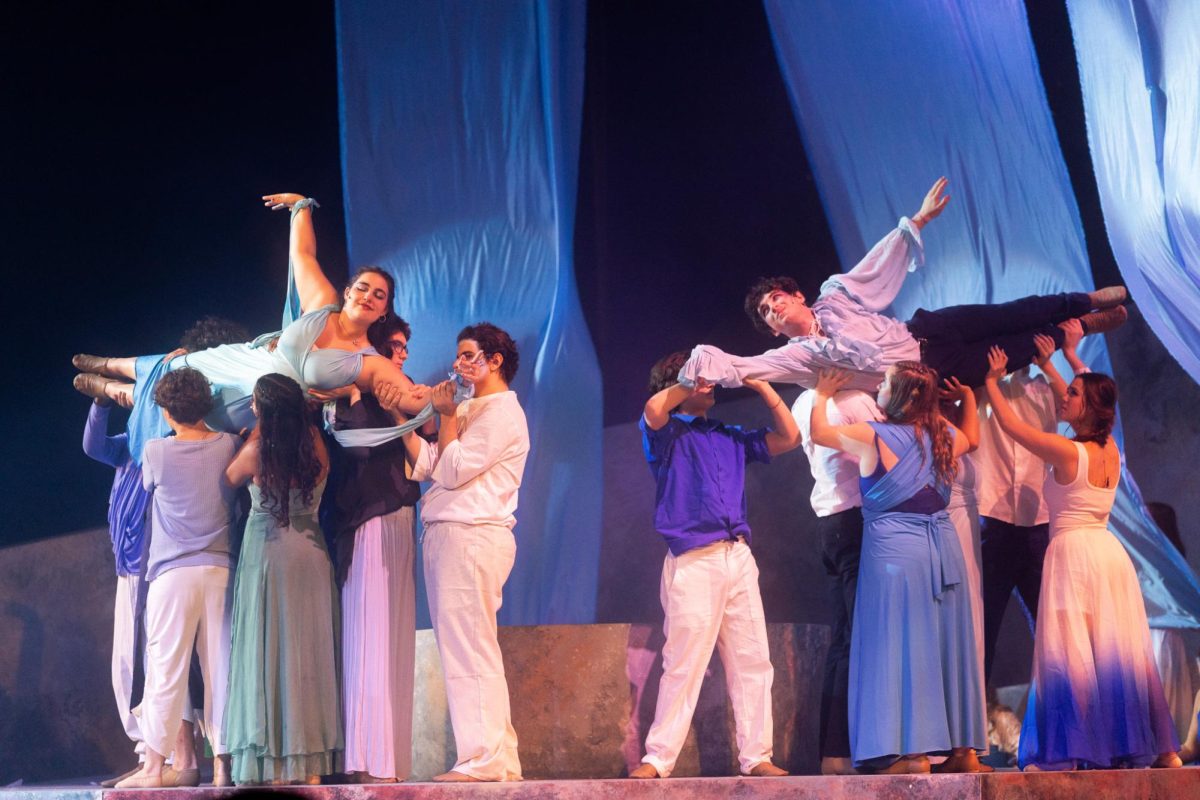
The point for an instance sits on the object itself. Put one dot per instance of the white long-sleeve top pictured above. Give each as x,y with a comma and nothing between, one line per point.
835,474
476,478
856,335
1010,477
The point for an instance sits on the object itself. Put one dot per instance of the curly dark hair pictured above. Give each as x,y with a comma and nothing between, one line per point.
377,325
665,372
186,395
212,331
1099,406
754,294
493,340
380,334
914,402
287,451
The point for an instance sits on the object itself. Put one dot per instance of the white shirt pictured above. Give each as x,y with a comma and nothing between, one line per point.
476,478
1009,476
835,474
857,336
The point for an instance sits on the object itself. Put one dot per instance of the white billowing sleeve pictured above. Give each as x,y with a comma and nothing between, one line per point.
489,438
876,280
796,362
426,460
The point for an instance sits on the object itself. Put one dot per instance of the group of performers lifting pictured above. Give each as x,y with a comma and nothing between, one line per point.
888,425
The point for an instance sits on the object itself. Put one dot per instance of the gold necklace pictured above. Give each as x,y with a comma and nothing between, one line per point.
354,340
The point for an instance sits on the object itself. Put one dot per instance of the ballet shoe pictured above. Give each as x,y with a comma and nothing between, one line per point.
1108,297
140,781
456,777
181,777
643,772
86,363
765,769
111,783
1104,321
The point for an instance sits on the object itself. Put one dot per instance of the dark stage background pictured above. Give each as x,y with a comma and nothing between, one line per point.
139,139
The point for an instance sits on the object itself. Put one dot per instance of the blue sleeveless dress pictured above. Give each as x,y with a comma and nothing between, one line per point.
915,683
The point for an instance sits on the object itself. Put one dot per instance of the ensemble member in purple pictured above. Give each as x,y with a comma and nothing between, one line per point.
846,328
709,586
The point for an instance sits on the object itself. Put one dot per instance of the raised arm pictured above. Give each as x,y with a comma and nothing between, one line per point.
97,444
876,280
1045,349
314,288
1050,447
785,434
657,410
1072,335
857,439
970,417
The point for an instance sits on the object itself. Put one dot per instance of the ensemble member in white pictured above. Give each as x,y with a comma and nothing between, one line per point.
188,570
1095,699
475,469
709,587
837,502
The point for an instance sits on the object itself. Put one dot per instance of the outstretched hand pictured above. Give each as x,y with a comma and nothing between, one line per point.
830,380
1045,348
278,202
997,363
933,203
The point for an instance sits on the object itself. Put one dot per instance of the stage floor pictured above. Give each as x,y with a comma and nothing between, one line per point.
1144,784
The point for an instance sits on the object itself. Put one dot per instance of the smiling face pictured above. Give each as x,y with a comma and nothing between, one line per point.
1073,407
786,314
366,298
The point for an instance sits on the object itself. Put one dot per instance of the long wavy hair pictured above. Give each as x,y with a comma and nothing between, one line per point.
1099,408
287,453
914,401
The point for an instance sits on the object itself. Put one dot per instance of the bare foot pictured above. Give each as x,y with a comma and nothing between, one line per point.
907,765
836,765
964,760
455,777
1167,761
644,771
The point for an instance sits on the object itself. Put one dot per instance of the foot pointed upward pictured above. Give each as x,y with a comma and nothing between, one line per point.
1104,321
1108,297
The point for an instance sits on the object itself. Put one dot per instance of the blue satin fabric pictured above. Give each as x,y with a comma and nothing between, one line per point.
1138,75
460,141
890,96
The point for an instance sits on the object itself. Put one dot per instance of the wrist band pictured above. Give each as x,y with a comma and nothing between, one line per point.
305,203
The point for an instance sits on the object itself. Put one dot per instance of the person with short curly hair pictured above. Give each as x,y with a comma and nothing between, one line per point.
188,568
475,469
847,329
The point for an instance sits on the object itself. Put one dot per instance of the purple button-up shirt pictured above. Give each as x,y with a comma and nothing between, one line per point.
699,465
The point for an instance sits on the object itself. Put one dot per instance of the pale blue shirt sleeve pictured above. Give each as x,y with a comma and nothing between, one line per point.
796,362
876,280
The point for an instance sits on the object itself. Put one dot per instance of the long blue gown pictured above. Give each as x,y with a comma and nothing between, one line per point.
915,685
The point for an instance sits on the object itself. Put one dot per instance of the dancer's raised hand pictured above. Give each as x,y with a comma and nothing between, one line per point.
278,202
933,203
997,363
952,389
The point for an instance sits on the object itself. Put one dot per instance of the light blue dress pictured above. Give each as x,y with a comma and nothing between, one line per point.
915,685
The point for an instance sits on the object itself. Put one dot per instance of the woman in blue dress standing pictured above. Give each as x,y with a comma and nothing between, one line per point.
915,684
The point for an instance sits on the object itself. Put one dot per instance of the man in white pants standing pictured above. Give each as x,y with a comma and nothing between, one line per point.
476,469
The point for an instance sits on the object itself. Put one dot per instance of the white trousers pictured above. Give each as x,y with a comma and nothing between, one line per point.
186,607
123,654
710,596
379,647
465,570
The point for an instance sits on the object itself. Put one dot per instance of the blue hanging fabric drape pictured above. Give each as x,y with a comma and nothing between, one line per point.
888,97
1139,68
460,138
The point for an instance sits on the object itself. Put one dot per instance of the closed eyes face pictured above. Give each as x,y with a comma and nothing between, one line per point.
1073,405
368,296
786,314
884,392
